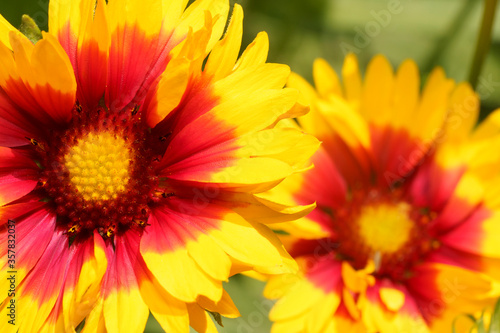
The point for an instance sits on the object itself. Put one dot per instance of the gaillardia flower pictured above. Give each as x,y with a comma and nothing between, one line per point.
131,165
405,236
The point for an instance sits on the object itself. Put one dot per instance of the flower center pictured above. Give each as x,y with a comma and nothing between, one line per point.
382,227
385,228
98,166
99,173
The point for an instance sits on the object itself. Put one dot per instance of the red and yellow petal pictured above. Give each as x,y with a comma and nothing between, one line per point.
391,308
477,234
106,46
35,299
169,92
12,135
30,82
165,249
251,163
66,20
167,244
19,126
90,60
128,83
34,226
18,175
136,49
85,268
439,288
123,307
127,282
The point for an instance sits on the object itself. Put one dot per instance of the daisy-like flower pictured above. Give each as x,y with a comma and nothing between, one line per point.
131,165
405,236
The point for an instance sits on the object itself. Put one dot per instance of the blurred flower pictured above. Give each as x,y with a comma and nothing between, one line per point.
122,163
405,236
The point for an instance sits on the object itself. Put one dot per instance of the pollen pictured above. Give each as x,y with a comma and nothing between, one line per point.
99,166
385,228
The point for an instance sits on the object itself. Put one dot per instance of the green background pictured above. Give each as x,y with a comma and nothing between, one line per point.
432,32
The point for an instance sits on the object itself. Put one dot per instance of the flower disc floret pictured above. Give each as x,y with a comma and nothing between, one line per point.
98,166
99,173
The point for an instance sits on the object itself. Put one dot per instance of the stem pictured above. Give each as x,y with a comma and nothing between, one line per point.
483,41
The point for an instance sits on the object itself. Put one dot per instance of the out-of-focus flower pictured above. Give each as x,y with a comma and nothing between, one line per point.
124,155
405,236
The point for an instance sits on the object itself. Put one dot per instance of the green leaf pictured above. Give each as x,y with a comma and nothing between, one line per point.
30,29
480,324
495,319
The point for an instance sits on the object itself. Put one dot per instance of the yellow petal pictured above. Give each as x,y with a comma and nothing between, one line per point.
322,313
406,94
172,11
147,16
173,322
224,306
463,114
289,145
78,301
200,319
210,257
290,325
351,78
170,312
346,122
279,285
125,311
392,298
247,245
194,18
251,80
377,91
433,106
47,72
5,29
188,282
356,280
170,90
299,299
95,320
224,54
255,53
325,79
63,14
246,174
488,127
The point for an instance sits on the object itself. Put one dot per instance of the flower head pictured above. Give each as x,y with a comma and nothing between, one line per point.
132,164
405,233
